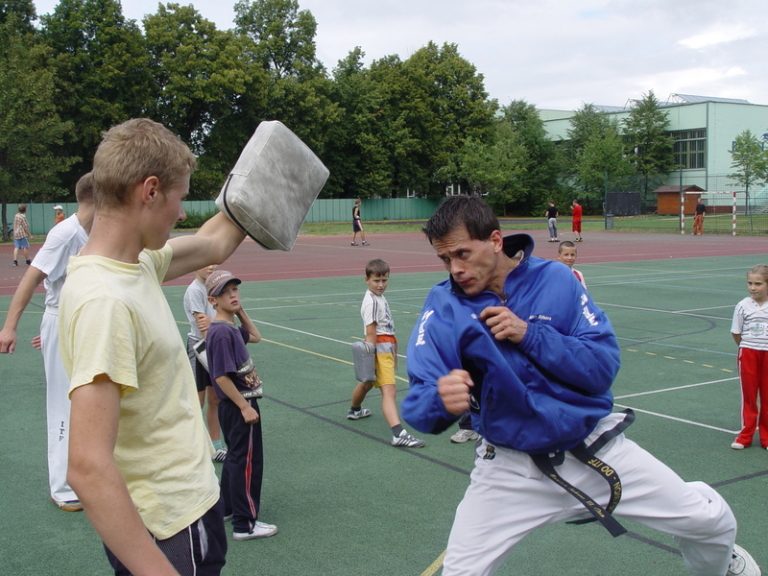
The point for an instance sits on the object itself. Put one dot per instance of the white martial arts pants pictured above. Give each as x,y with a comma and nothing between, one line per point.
508,497
57,408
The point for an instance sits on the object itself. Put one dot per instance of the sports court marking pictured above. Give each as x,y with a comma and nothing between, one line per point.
673,388
401,379
657,342
660,311
685,361
727,307
313,353
677,419
435,566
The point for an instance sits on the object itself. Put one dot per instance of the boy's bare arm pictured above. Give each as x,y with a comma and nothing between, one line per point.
21,298
247,323
213,243
202,321
736,338
97,481
370,333
228,387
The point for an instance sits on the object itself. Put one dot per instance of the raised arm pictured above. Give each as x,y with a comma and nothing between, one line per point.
213,243
254,335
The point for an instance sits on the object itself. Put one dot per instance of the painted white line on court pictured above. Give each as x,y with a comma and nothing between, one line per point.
336,340
305,333
666,345
356,293
305,351
676,419
673,388
435,566
313,353
675,312
728,306
301,303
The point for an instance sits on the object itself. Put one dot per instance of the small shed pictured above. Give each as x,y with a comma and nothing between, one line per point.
668,199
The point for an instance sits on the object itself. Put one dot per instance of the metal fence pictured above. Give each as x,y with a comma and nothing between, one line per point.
40,215
734,213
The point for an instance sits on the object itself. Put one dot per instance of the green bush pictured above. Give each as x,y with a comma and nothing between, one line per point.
195,219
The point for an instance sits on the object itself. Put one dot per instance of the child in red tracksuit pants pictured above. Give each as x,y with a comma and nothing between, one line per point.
750,331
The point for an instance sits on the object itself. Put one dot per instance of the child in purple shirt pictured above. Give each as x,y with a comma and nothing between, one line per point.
237,386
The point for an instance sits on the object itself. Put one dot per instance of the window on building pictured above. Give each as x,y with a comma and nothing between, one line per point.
689,148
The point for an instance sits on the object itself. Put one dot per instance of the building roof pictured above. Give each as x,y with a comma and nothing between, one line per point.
676,189
692,99
605,108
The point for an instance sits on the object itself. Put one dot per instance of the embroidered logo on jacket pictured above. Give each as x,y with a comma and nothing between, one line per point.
588,314
422,327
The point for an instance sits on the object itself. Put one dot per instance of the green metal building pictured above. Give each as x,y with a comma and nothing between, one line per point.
704,129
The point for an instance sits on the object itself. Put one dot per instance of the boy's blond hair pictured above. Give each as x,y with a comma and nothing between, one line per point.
84,188
131,152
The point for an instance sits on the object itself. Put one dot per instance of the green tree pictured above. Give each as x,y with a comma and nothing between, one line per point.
648,142
351,89
283,36
442,103
539,180
280,40
359,163
23,13
31,132
595,157
750,163
586,123
497,168
101,71
388,141
197,71
602,165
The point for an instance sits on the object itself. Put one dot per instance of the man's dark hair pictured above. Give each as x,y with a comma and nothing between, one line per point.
456,211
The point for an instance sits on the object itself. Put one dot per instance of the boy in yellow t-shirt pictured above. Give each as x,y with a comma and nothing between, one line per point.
139,453
380,334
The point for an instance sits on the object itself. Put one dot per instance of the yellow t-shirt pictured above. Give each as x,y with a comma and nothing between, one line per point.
114,320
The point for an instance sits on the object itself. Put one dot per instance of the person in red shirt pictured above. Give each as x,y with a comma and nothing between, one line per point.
576,223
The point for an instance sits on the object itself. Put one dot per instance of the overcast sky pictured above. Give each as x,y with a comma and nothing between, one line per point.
551,53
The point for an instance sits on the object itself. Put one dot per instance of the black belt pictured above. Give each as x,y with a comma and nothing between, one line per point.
586,454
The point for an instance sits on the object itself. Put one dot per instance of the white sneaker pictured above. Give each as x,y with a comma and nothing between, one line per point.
259,530
357,414
462,436
405,440
742,564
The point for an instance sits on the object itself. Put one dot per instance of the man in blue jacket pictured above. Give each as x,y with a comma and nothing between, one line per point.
518,342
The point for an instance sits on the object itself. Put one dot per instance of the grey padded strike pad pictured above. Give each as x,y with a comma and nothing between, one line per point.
272,186
364,360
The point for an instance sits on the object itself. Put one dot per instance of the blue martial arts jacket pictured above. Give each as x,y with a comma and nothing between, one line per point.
546,393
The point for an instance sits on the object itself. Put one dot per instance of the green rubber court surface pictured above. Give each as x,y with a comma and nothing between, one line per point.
346,502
